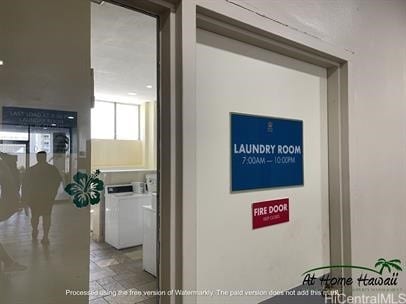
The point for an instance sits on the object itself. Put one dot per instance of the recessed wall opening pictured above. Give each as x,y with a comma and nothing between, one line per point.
123,247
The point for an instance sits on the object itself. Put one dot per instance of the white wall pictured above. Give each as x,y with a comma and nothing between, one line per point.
45,46
372,35
374,31
235,77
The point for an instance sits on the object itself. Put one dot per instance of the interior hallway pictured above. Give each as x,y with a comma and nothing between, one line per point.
110,269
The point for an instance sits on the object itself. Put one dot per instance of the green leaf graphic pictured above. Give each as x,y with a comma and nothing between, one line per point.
85,190
388,265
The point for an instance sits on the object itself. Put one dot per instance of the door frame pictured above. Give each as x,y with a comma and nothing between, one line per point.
169,141
179,21
237,23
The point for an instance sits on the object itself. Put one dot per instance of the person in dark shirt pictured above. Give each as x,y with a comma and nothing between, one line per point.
40,185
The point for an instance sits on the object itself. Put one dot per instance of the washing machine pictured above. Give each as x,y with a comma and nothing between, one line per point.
124,215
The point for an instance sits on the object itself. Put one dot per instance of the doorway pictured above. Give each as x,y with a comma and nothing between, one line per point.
124,231
274,93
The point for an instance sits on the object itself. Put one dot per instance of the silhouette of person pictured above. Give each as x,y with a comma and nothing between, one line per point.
40,185
11,162
9,204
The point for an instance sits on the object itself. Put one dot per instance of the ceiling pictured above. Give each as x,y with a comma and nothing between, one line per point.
123,54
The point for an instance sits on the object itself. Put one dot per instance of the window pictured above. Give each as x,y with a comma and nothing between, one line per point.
13,132
126,124
112,120
103,120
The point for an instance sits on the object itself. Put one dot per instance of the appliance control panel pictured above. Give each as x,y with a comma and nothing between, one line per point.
119,189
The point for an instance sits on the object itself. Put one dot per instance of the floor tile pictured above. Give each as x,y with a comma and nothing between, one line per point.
135,255
106,262
116,286
96,290
94,276
120,270
150,301
148,286
123,275
136,281
106,281
125,299
100,301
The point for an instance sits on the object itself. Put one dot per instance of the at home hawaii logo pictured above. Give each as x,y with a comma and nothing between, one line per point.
384,274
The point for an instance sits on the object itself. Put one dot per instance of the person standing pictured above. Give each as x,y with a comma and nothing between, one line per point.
9,205
40,186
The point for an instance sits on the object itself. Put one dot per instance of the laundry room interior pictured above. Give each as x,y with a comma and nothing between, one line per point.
123,148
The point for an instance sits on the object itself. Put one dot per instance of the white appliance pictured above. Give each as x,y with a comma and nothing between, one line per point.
149,243
138,187
151,182
124,216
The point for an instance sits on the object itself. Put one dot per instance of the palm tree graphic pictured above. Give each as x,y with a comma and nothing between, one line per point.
388,265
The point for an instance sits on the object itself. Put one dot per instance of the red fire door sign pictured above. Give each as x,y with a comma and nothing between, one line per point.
270,213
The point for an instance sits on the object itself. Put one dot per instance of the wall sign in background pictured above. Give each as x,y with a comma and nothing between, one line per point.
39,117
270,213
266,152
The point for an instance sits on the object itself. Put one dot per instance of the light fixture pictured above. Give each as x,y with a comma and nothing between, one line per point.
54,125
1,62
132,93
149,86
71,117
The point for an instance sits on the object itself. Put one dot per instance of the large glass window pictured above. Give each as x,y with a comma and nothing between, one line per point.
127,123
111,120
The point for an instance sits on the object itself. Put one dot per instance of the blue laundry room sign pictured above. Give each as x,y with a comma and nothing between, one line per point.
266,152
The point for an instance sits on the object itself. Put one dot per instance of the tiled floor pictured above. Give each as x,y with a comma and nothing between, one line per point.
113,271
55,267
60,265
